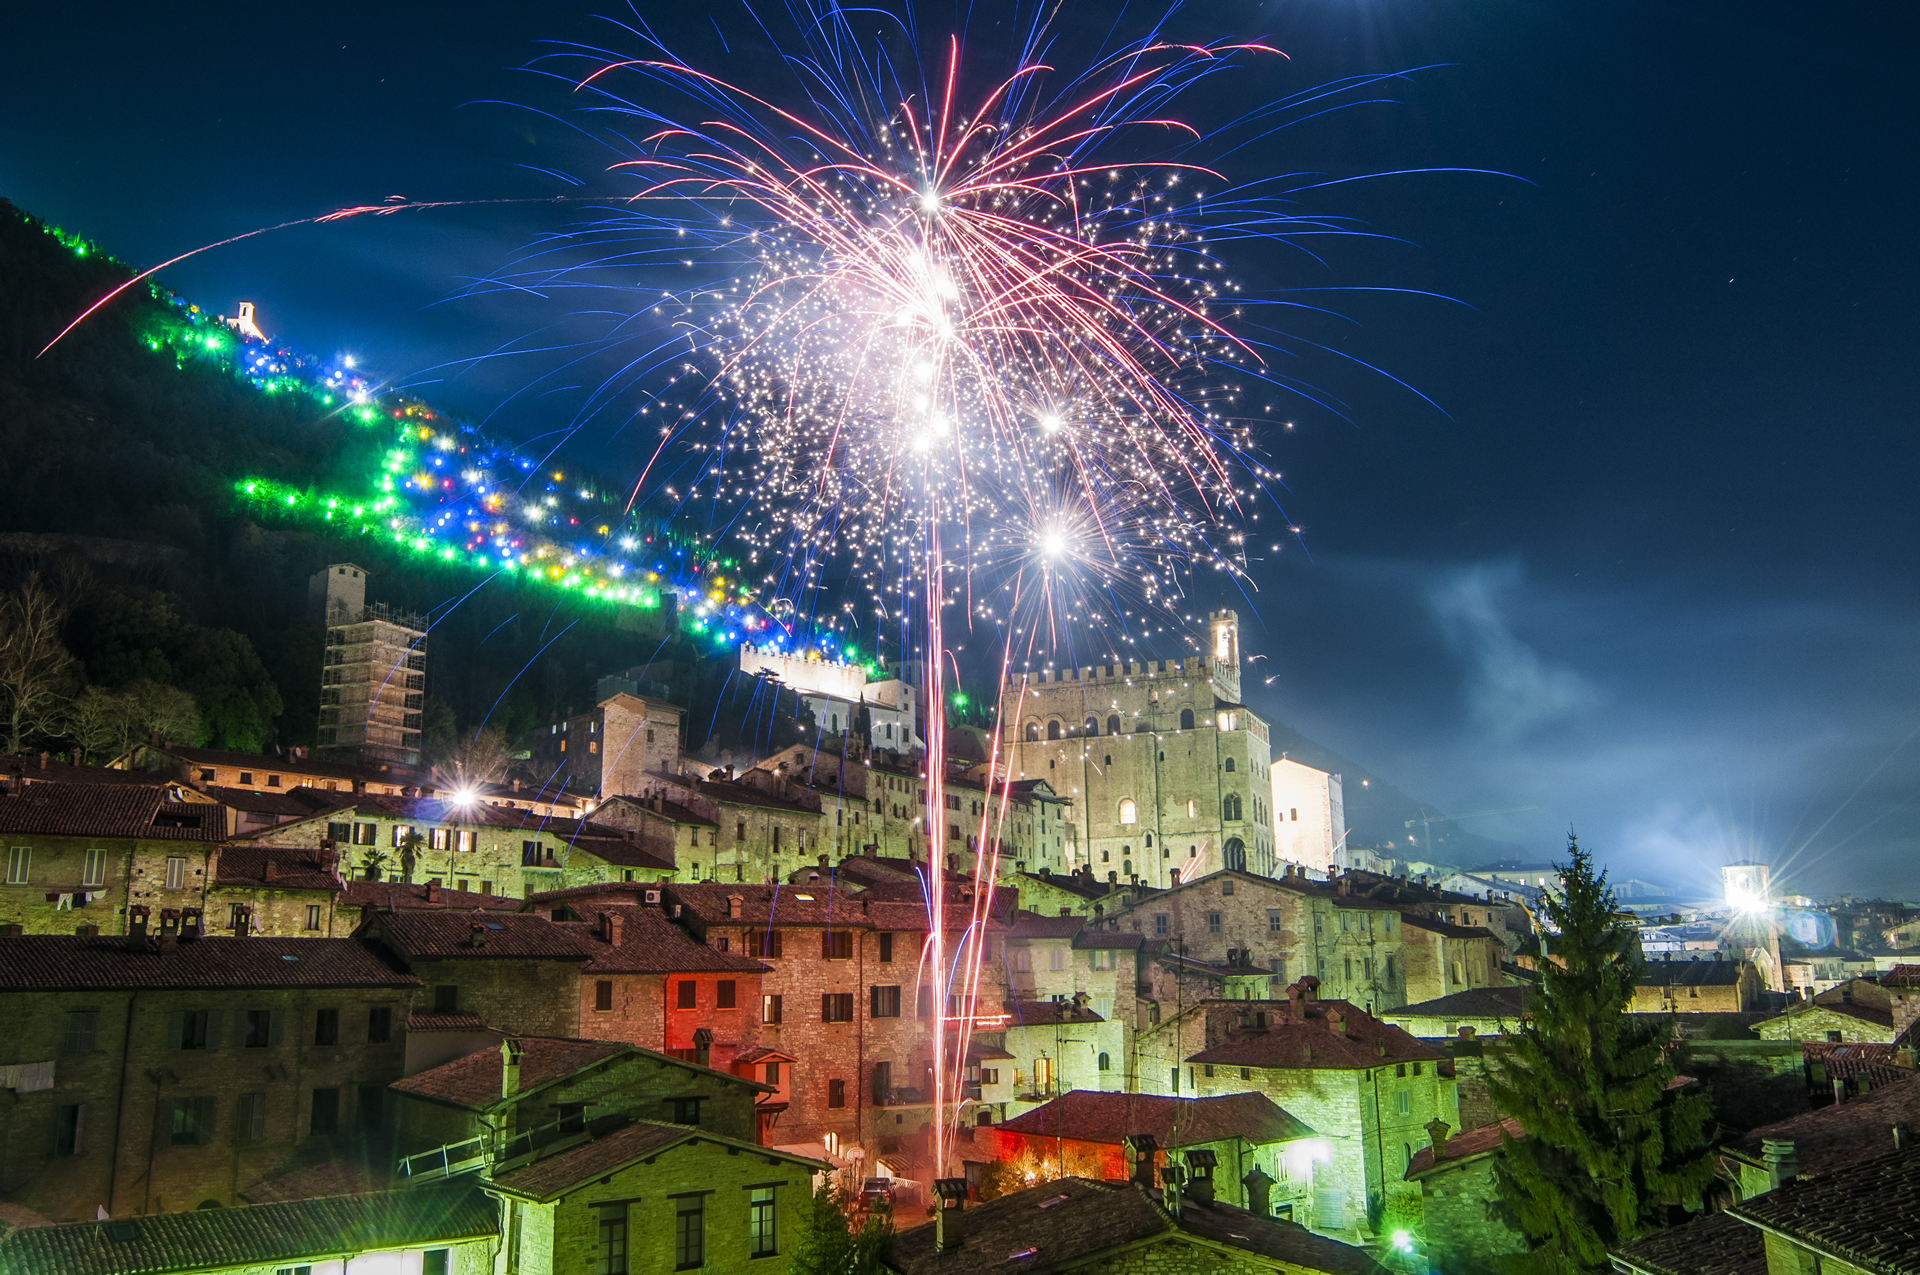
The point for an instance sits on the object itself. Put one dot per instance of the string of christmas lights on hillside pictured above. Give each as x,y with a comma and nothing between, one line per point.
433,487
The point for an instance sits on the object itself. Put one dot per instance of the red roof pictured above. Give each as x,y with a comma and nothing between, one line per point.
1465,1145
293,868
475,1081
472,935
649,942
65,962
398,895
1034,925
1901,976
1091,1116
109,810
1050,1013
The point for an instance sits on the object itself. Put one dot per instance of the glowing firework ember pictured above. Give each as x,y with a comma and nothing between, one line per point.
963,347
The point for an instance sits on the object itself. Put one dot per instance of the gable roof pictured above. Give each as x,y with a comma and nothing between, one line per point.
1468,1144
1830,1138
1032,925
1049,1014
108,810
1072,1221
1097,1116
604,1153
294,868
475,935
299,1232
1301,1034
401,894
1475,1002
1867,1215
1718,1244
66,962
649,942
1692,973
474,1082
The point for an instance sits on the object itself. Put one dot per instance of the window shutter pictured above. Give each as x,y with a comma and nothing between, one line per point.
203,1121
163,1121
275,1021
257,1118
826,945
80,1129
176,1028
213,1029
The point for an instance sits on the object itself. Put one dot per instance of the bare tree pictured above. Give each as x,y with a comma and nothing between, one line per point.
479,758
99,722
36,670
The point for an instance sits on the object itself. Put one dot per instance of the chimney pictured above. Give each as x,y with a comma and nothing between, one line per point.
950,1196
1900,1132
612,927
1466,1031
272,872
190,925
1259,1191
1139,1149
1437,1131
1337,1024
703,1046
477,934
1780,1159
516,783
43,761
87,931
433,891
76,756
169,928
511,1051
734,903
1170,1176
1200,1166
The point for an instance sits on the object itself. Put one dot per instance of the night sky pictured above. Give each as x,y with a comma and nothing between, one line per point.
1649,566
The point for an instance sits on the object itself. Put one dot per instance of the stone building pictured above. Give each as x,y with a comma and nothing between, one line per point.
1455,1177
164,1068
373,675
615,749
1309,816
1169,774
849,704
1858,1011
81,855
1367,1088
759,835
1481,1011
1696,987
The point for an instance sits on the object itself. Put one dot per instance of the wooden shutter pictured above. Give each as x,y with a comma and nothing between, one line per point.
176,1028
276,1022
213,1029
80,1129
202,1121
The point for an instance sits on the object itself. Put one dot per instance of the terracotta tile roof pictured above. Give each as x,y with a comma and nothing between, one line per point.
1033,925
269,1235
667,808
1091,1116
1049,1014
415,934
64,962
1879,1063
1446,929
1070,1222
1104,939
1718,1244
27,766
294,868
603,1153
289,766
1302,1036
622,853
816,904
1867,1215
1831,1138
421,1021
399,895
649,942
329,1177
1901,976
1465,1145
109,810
292,803
733,792
1475,1002
474,1082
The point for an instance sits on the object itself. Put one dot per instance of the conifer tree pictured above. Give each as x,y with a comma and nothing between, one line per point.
829,1244
1608,1146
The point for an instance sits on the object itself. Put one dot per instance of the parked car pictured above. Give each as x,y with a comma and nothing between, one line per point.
876,1191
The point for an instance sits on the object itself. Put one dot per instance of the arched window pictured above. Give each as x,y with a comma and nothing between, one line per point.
1230,807
1053,729
1229,765
1105,857
1126,868
1033,732
1129,813
1234,855
1186,719
1093,726
1113,725
1106,1064
1149,841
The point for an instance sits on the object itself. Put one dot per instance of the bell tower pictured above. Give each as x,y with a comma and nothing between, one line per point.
1223,653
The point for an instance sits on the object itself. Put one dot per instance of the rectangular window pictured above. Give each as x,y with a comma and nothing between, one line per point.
372,1107
690,1233
313,916
326,1112
764,944
885,1002
366,834
1403,1102
1022,960
176,874
760,1232
93,870
400,831
436,1261
1056,958
886,949
1346,922
337,832
192,1123
883,1082
836,945
836,1093
603,995
686,1111
437,839
529,854
250,1123
1160,923
725,993
379,1024
446,999
81,1026
1273,921
687,993
69,1129
257,1026
191,1028
326,1027
1213,922
836,1007
246,779
463,841
610,1256
770,1009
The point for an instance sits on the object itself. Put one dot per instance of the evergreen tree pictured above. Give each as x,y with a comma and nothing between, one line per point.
1608,1146
829,1244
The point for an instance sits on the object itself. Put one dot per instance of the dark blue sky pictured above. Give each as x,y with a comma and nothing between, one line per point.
1651,572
